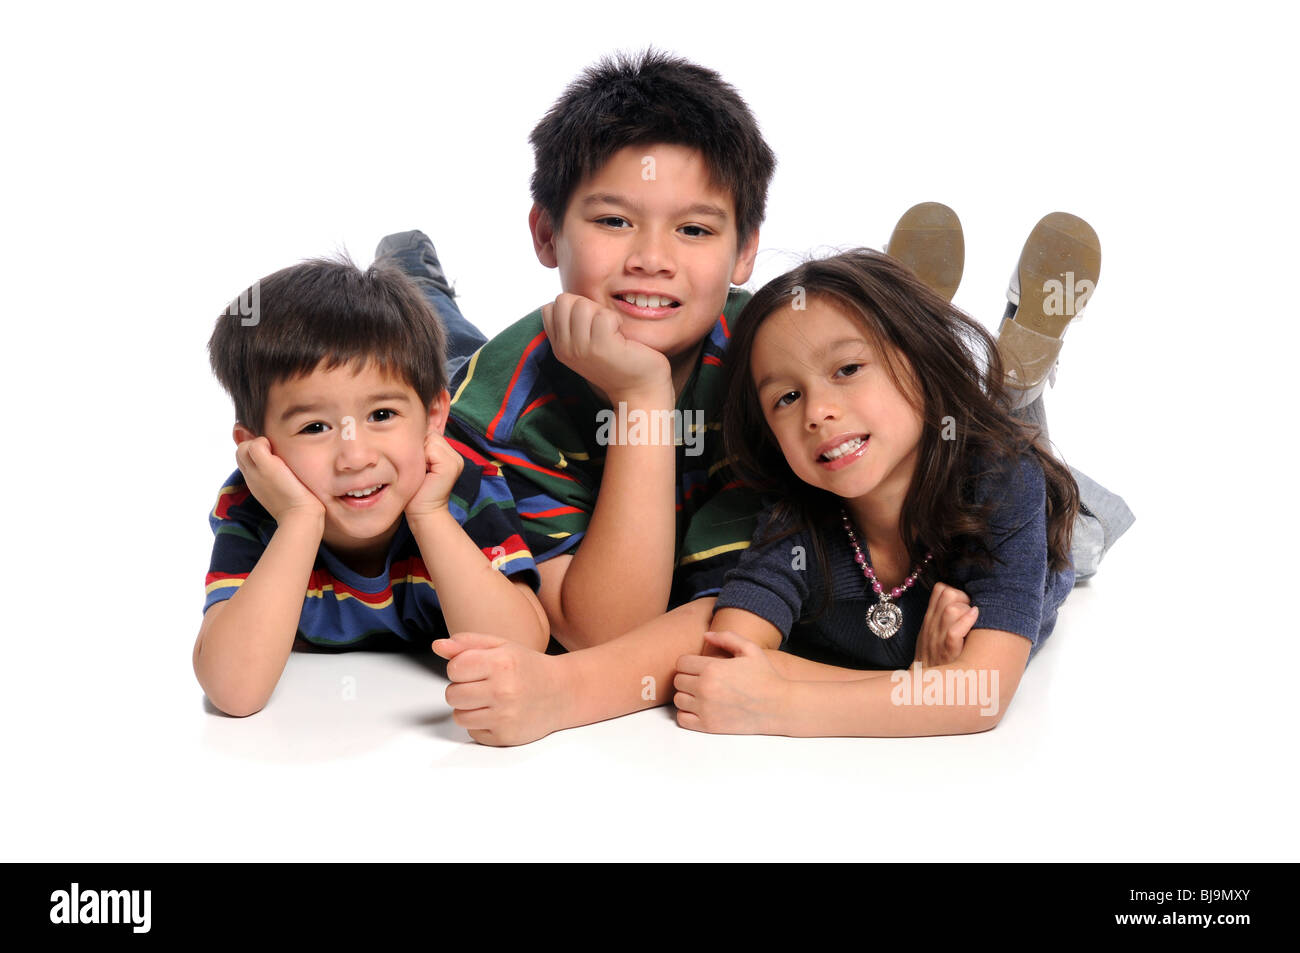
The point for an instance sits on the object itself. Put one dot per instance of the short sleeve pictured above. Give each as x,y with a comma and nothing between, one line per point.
241,529
1010,593
770,578
716,539
483,505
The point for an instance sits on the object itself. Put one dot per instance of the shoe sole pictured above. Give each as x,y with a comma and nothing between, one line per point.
1060,255
1058,271
928,241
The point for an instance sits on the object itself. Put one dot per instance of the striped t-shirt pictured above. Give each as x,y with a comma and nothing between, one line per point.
398,608
540,422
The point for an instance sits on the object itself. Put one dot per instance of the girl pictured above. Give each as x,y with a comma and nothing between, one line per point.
916,520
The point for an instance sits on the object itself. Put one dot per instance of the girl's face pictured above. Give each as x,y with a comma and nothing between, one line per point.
828,396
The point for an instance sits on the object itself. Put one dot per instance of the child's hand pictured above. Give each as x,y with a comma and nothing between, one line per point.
948,620
741,695
589,339
444,466
273,484
502,692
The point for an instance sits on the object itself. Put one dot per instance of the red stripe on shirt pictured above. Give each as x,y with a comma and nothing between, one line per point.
505,402
472,455
509,546
528,464
537,403
558,511
226,500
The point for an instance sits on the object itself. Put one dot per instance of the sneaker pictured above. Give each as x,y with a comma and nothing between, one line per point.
1056,276
928,241
415,255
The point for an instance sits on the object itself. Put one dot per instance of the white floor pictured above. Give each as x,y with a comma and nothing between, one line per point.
166,164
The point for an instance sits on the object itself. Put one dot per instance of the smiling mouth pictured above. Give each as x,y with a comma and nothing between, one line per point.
843,449
649,301
365,493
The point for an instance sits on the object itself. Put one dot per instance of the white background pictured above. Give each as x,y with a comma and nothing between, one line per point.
156,161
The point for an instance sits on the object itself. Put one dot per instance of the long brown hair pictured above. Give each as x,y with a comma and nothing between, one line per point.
948,366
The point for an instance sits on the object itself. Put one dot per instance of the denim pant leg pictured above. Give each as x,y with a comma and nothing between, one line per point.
463,338
1103,516
414,254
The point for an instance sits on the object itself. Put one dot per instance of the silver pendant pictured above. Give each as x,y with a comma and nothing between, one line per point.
884,619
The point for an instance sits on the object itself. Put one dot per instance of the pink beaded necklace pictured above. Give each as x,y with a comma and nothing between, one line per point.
884,618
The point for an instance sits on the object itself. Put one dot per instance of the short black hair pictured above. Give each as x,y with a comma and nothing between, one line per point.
325,311
644,99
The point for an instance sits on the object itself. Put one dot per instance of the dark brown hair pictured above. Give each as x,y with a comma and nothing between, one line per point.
641,100
947,365
330,313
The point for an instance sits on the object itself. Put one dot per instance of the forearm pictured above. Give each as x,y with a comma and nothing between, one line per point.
801,669
245,641
634,671
952,699
474,596
621,575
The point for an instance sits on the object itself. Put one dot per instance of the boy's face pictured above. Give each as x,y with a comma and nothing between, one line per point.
343,431
650,223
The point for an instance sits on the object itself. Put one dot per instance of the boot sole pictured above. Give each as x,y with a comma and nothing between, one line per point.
1060,255
928,241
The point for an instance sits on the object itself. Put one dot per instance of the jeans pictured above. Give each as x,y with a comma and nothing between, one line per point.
1103,516
414,254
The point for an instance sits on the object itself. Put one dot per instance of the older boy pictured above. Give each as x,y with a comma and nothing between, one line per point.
650,185
351,520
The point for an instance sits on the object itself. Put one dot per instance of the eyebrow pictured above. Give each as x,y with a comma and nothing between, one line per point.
312,408
820,354
697,208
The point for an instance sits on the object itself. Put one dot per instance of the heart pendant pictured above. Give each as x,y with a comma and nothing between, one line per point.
884,619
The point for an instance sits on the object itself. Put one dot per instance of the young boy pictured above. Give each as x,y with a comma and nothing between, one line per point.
351,521
602,408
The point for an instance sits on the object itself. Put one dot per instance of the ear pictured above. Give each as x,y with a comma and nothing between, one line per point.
745,260
439,407
543,230
242,434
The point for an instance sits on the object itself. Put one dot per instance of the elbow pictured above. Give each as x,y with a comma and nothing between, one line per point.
541,637
986,714
240,708
235,703
238,701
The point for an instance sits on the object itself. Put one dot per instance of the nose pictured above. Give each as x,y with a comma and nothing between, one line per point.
820,409
651,253
354,450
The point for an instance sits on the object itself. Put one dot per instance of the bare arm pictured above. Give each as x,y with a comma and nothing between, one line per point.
972,693
245,641
631,538
475,596
801,669
621,575
744,695
504,694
